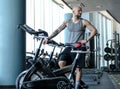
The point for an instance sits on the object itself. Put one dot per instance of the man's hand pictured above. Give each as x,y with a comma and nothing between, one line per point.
83,41
45,41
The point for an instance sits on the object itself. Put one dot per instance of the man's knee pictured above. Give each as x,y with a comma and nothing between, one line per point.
62,63
78,70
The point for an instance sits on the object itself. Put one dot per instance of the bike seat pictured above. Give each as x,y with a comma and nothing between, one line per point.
63,70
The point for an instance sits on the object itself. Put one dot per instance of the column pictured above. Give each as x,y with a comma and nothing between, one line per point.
12,40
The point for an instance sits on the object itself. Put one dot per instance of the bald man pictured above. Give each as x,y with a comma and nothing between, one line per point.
76,27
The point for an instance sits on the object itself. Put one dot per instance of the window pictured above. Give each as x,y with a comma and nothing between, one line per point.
104,27
45,15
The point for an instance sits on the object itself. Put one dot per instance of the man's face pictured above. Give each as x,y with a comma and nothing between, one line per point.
77,12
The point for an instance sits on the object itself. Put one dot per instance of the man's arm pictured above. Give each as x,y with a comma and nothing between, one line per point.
58,30
91,28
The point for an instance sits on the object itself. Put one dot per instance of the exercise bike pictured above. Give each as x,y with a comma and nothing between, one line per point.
38,75
38,69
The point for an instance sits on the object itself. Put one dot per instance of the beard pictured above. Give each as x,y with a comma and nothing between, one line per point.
78,16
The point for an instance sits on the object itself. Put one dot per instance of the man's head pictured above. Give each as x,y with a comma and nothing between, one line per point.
77,11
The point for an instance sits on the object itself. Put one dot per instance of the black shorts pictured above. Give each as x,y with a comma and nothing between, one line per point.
67,56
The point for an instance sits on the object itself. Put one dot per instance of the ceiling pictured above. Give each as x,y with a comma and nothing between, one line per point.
111,6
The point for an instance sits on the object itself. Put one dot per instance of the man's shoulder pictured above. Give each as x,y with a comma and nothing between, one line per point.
84,19
67,20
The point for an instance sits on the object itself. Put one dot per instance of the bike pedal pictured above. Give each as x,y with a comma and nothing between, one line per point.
80,87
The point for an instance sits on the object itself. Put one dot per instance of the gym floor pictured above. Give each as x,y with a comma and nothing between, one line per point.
107,81
115,78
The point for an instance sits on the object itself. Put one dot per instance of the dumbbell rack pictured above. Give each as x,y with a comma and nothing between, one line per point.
112,53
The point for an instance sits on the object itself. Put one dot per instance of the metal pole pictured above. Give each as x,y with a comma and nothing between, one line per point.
116,59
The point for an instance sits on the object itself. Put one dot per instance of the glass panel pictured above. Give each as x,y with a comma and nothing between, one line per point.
45,15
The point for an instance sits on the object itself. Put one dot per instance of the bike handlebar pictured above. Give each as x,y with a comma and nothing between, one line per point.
31,31
79,51
74,45
52,43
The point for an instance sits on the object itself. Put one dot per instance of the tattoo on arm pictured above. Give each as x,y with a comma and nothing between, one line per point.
57,31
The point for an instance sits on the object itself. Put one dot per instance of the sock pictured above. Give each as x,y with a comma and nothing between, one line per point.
77,84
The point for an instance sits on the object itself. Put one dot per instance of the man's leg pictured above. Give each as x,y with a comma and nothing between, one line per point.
80,65
62,64
78,78
64,57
